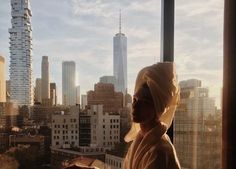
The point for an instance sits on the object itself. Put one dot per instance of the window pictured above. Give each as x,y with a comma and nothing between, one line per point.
200,98
198,57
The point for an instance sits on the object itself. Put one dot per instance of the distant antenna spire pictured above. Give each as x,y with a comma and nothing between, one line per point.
120,22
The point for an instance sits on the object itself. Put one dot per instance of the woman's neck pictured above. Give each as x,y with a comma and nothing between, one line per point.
147,126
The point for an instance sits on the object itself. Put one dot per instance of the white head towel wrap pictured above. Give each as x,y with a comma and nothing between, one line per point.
162,82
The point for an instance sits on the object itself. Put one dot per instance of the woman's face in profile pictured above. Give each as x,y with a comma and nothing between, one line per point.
143,109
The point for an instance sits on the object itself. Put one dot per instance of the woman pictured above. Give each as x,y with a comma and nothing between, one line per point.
155,99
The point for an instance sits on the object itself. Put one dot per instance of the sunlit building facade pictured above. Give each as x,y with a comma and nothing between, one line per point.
9,115
99,129
196,128
21,53
105,94
65,129
2,80
105,127
8,92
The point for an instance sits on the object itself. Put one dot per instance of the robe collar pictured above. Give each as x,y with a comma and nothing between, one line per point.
143,143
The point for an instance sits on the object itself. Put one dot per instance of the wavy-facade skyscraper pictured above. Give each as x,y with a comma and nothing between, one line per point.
21,53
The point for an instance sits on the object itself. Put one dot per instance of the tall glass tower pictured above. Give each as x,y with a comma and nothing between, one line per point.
45,84
68,83
21,53
120,60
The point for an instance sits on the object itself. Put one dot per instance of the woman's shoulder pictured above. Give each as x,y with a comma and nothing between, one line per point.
165,144
166,153
161,155
162,148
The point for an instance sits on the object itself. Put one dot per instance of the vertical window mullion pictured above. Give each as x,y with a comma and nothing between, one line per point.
167,38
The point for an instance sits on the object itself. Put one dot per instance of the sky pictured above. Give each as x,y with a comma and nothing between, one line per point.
83,30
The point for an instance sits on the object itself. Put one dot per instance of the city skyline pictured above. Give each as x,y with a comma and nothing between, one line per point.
87,34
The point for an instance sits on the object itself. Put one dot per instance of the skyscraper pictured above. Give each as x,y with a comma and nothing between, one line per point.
84,101
45,85
77,94
37,92
120,60
53,93
2,80
21,53
68,83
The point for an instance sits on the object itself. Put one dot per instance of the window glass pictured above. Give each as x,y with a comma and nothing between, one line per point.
199,60
81,58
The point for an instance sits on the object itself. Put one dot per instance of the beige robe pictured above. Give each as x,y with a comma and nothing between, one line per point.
152,151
